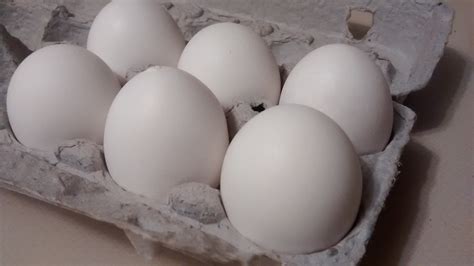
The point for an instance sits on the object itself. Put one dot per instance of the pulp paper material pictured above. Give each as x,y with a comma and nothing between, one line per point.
406,41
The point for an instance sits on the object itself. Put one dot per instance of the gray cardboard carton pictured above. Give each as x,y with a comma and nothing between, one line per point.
406,40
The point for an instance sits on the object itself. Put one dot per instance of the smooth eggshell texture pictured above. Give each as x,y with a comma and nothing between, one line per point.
133,35
164,128
59,93
235,63
291,180
344,83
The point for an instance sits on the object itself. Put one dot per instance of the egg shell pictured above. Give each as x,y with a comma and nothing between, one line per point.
131,36
58,93
291,180
345,84
164,128
235,63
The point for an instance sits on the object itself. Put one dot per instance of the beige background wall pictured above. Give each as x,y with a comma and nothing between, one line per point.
428,218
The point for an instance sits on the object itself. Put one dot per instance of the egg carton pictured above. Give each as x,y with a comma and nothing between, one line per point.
406,40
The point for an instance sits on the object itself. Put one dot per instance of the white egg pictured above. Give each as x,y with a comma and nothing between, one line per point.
130,36
59,93
164,128
291,180
235,63
345,84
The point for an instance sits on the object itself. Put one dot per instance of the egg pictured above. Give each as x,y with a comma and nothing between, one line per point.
344,83
130,36
235,63
291,180
164,128
58,93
